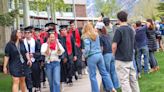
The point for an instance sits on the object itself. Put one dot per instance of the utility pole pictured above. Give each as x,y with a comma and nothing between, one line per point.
26,13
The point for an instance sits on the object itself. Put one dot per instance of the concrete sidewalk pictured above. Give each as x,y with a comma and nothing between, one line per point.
81,85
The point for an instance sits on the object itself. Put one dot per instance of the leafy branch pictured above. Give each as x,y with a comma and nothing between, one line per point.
7,19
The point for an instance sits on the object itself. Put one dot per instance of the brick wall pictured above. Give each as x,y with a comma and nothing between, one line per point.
80,24
80,10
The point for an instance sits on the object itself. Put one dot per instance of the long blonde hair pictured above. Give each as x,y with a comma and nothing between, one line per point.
89,31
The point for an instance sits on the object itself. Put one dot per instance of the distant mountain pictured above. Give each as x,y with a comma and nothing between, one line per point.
91,10
126,5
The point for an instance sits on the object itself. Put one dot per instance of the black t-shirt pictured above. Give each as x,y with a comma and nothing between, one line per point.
105,43
124,37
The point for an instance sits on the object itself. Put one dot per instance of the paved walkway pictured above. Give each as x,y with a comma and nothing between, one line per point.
81,85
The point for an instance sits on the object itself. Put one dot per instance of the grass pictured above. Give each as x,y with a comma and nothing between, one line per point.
153,82
5,83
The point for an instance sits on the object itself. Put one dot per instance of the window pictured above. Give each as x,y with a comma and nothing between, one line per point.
10,4
69,8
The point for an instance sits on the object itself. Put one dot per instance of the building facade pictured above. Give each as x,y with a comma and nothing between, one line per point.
76,11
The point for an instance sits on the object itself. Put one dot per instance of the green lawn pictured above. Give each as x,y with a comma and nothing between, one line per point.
153,82
5,83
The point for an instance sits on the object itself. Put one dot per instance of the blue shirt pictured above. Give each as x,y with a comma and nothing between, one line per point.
91,47
141,37
162,29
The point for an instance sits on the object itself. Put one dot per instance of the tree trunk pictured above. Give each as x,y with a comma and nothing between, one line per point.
26,13
4,30
17,15
53,11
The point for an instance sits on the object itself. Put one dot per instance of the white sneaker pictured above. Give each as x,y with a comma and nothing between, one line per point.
86,71
139,75
62,87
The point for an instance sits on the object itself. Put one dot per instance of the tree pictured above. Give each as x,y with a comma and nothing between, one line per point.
17,14
108,7
55,5
26,14
161,9
145,9
7,19
5,29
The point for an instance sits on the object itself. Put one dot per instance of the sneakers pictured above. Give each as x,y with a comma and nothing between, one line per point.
139,75
62,87
85,71
37,90
154,69
80,76
157,68
70,84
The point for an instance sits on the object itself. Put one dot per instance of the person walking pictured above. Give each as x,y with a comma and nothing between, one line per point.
70,54
52,49
141,48
79,46
109,60
122,49
162,30
18,60
33,48
95,59
152,45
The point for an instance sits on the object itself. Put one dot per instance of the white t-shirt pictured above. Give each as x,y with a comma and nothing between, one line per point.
54,56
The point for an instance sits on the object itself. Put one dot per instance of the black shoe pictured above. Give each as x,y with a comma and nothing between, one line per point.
30,90
76,77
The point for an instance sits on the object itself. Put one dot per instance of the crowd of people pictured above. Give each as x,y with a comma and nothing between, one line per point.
33,55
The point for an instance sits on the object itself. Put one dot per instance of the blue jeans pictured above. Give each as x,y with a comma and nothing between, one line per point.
94,61
53,74
110,66
152,59
134,62
143,51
